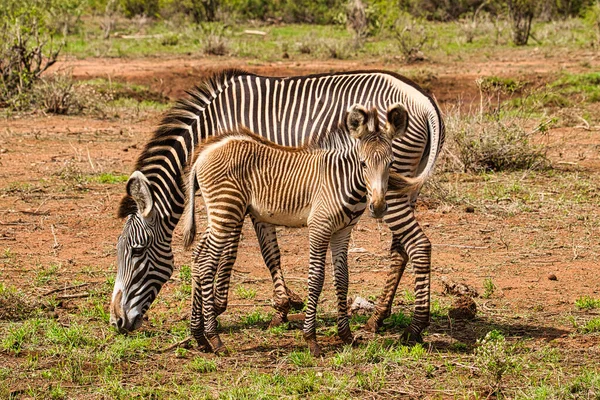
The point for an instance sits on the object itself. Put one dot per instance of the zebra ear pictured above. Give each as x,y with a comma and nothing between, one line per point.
138,187
397,121
356,120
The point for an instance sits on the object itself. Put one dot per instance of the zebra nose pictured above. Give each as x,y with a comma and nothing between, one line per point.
378,211
120,323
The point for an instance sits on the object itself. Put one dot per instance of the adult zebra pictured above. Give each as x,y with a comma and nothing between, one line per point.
287,111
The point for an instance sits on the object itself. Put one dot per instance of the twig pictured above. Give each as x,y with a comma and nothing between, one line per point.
56,245
65,288
460,246
73,296
90,159
178,344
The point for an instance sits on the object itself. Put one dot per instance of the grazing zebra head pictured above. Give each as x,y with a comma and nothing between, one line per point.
374,150
144,256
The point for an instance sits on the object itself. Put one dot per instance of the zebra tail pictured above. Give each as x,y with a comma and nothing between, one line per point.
405,185
189,216
402,185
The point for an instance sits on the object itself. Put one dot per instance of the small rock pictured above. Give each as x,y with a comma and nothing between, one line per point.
458,289
2,151
552,277
463,308
361,306
470,209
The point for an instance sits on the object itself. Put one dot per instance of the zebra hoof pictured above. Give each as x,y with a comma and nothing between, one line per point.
203,344
217,345
314,348
346,336
277,320
373,324
411,337
296,302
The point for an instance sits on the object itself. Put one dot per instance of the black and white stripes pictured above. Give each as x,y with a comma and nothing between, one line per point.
322,185
288,111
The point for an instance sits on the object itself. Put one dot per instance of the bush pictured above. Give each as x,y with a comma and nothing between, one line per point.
411,36
481,142
26,49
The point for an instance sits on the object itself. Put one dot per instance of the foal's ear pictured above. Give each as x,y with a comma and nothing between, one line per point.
356,120
397,121
138,187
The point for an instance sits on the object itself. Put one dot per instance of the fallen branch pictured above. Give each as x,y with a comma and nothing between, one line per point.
175,345
461,246
65,288
73,296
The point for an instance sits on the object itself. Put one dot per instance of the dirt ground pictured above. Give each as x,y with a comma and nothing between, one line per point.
53,214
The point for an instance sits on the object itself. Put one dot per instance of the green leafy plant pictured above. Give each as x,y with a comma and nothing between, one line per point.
495,358
488,288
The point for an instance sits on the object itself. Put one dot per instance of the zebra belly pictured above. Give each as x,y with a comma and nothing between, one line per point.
281,218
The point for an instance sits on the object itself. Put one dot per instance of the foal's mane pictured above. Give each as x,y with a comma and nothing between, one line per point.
334,139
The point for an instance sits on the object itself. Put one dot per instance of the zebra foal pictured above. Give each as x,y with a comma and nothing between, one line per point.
321,185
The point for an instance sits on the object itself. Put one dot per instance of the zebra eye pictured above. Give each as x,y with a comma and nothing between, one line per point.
137,250
363,164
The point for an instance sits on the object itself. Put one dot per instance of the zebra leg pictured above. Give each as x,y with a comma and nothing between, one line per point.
408,240
339,256
267,239
399,259
319,241
197,319
205,270
224,272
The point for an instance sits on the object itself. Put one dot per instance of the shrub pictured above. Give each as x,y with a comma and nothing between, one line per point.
26,49
411,36
495,358
481,142
592,18
521,13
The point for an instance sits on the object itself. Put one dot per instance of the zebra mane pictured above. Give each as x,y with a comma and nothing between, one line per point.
176,123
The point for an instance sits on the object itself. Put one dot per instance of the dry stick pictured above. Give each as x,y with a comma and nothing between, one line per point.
178,344
65,288
56,244
460,246
73,296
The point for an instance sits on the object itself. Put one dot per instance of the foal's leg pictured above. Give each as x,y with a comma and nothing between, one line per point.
319,241
408,242
339,256
267,239
197,320
224,272
218,239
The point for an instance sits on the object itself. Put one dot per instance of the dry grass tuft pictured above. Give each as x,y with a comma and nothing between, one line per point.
14,305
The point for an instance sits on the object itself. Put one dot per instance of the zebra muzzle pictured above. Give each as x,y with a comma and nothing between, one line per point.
378,210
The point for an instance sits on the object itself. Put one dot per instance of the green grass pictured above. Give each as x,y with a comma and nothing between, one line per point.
109,178
301,358
202,365
45,275
587,303
245,293
591,326
256,317
488,288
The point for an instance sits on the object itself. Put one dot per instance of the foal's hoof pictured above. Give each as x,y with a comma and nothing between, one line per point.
373,324
411,337
203,344
314,348
217,345
296,302
277,320
346,336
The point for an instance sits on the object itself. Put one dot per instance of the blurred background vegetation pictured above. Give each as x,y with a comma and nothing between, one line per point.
34,33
